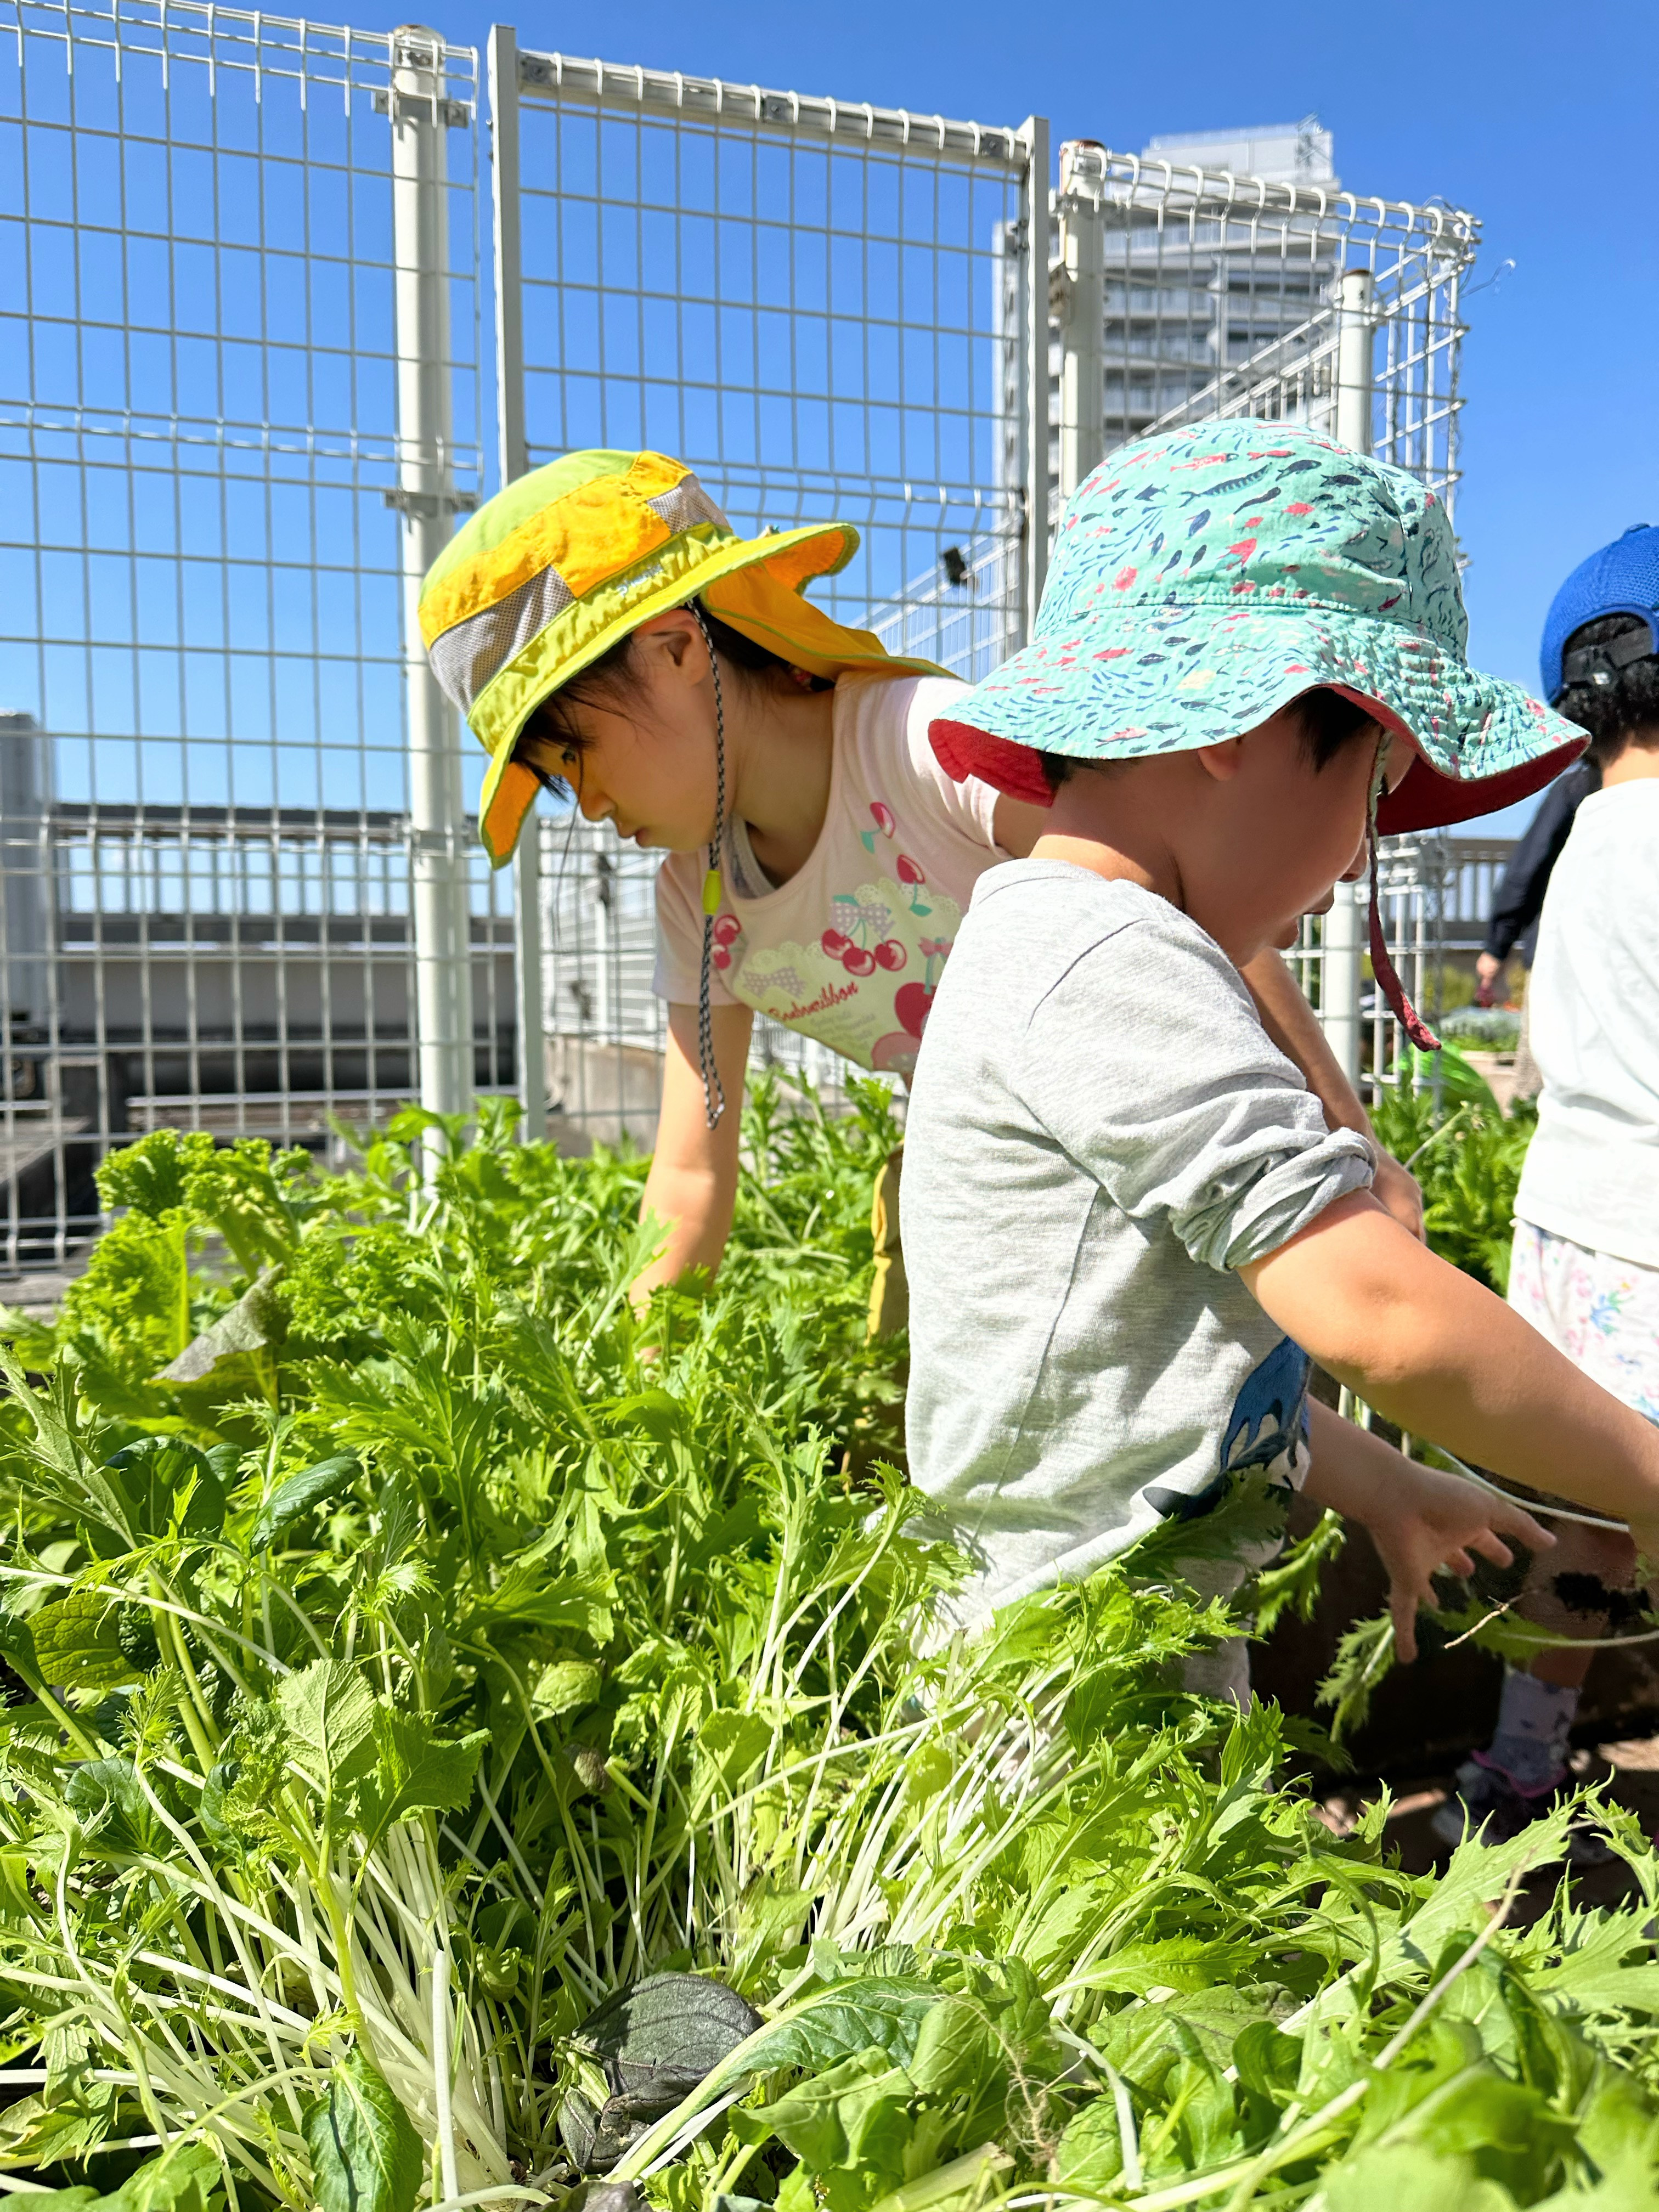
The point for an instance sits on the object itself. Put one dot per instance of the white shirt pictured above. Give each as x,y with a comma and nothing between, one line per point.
850,950
1592,1171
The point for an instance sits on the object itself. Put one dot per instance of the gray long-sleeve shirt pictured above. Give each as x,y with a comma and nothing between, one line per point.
1100,1133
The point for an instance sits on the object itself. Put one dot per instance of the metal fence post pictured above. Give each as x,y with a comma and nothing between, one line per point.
1034,132
439,859
1080,305
509,416
1343,979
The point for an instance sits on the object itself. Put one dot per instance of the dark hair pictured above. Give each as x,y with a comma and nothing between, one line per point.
1626,708
1327,721
613,678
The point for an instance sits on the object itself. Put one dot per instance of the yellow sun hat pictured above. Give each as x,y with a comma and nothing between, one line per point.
561,565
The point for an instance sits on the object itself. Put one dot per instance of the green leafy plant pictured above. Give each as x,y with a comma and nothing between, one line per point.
1467,1154
412,1665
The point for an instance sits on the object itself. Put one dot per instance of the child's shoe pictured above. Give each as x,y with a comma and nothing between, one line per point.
1493,1809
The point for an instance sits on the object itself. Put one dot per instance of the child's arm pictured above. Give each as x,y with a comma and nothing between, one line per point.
693,1183
1421,1522
1436,1353
1293,1025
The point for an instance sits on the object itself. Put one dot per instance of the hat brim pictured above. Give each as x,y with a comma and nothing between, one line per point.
1482,744
755,585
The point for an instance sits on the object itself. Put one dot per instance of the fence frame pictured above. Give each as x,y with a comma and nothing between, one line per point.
1393,381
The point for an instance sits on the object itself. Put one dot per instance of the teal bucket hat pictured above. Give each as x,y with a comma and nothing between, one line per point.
1203,580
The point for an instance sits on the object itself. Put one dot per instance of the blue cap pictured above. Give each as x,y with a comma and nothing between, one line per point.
1622,579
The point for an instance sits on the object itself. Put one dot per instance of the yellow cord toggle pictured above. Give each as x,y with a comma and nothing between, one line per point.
711,891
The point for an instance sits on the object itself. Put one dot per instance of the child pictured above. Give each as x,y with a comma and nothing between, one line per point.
604,629
1585,1266
1127,1224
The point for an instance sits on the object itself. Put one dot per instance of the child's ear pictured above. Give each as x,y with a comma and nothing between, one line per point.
671,637
1222,761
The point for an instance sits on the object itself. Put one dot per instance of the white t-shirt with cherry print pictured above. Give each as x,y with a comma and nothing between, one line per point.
850,948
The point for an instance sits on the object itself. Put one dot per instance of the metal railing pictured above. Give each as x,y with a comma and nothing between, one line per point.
1183,295
240,408
239,396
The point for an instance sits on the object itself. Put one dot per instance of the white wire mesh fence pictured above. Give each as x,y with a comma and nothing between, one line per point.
807,301
205,498
240,302
802,299
1219,295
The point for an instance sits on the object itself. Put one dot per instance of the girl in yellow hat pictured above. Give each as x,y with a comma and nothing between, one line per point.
608,635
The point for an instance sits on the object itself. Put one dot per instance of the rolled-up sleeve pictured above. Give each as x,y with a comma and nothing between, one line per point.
1148,1064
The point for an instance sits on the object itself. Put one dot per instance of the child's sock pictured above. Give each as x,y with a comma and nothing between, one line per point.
1534,1719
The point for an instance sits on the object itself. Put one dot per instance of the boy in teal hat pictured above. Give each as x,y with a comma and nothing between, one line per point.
1127,1223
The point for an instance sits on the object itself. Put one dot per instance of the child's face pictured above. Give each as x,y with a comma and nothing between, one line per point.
647,764
1272,835
1246,836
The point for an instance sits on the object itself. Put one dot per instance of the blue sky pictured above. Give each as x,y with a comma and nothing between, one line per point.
224,686
1539,120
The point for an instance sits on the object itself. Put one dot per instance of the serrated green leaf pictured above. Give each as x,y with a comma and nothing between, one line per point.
364,2154
329,1713
48,2129
416,1770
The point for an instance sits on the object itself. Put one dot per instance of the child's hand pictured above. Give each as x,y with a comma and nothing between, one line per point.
1421,1522
1428,1523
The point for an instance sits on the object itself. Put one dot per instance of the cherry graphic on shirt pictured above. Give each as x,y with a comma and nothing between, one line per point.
857,962
727,929
890,955
882,815
895,1053
721,958
835,944
910,875
911,1004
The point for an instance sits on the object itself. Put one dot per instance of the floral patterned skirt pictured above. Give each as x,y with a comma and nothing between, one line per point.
1603,1312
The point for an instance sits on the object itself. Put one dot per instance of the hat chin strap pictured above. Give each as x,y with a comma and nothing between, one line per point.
1382,966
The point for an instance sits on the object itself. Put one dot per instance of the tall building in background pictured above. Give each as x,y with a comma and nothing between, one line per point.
1187,299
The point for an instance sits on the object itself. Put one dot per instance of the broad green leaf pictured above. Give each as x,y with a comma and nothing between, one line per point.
869,2014
187,2179
564,1685
959,2052
1406,2179
108,1799
533,1598
1091,2153
330,1713
215,1813
153,1473
653,1413
857,2113
78,1642
364,2154
733,1745
301,1493
17,1644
